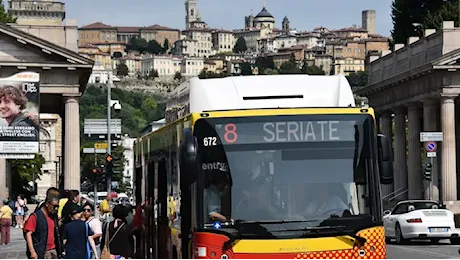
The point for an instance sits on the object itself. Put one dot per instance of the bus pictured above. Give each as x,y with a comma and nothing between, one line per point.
272,166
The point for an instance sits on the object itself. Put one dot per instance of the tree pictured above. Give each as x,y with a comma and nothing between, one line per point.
313,70
166,46
358,79
117,55
4,16
154,47
153,74
289,67
122,69
204,74
265,62
178,76
246,68
448,11
240,45
25,171
408,17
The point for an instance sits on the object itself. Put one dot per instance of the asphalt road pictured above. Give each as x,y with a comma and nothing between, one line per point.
415,250
423,250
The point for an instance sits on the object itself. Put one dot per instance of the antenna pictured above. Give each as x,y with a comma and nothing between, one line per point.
265,3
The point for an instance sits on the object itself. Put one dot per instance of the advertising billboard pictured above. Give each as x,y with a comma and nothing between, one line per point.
19,115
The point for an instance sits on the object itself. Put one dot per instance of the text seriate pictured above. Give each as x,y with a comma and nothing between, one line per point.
306,131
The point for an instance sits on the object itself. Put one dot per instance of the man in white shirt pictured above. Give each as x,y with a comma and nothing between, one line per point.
212,197
326,201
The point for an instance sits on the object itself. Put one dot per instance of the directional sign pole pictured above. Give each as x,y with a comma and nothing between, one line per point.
96,212
431,148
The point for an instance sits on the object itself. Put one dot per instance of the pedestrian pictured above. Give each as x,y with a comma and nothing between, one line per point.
5,223
20,210
40,232
117,239
77,236
52,191
69,206
93,223
12,204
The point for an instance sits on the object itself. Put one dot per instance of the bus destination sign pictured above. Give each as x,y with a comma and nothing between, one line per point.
282,132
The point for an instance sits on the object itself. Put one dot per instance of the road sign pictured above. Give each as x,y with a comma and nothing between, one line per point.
430,136
101,145
99,126
431,154
92,150
431,146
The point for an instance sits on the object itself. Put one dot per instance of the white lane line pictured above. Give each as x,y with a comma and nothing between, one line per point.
424,252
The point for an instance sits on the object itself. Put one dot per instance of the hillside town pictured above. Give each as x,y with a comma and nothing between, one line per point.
163,53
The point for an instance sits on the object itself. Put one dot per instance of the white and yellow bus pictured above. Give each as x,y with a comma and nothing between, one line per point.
280,166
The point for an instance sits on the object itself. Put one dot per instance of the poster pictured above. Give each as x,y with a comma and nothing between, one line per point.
19,115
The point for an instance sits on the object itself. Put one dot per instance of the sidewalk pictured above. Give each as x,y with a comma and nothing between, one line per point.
17,248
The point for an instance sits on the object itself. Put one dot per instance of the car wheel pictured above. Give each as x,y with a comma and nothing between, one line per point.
399,236
435,240
455,241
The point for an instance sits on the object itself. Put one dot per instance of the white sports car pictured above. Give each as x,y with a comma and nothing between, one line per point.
420,219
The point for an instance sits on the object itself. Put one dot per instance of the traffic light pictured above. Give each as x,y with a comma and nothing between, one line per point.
98,173
427,173
110,164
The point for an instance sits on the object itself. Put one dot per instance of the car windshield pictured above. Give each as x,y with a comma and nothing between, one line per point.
424,205
292,168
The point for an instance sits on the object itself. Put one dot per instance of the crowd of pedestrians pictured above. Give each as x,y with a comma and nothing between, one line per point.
64,226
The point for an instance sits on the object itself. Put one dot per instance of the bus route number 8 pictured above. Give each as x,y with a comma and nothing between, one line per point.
230,135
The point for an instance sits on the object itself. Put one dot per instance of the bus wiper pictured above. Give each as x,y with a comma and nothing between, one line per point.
239,221
358,238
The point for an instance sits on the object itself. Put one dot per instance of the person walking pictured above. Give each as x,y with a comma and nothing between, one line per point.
40,232
77,237
5,223
21,209
93,223
118,238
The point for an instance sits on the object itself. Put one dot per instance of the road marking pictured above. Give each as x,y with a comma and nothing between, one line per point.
424,252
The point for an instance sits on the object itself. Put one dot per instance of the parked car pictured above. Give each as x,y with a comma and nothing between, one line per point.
420,219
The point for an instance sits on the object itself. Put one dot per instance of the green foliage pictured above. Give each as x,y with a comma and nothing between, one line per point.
265,63
448,11
138,109
153,74
154,47
246,68
409,17
117,55
240,45
178,76
166,45
312,70
122,69
358,79
4,16
25,171
210,74
289,67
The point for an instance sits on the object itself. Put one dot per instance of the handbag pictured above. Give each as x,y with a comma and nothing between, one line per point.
105,253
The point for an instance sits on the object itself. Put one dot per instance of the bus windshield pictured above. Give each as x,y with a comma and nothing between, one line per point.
295,167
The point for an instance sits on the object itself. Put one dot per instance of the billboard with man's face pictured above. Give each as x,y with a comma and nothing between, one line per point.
19,115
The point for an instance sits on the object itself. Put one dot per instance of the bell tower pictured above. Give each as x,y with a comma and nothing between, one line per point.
191,12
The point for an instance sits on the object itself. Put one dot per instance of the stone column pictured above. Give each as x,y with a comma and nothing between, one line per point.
449,167
400,167
3,180
430,124
72,143
386,125
415,177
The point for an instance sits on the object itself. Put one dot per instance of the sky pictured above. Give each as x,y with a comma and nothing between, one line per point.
303,14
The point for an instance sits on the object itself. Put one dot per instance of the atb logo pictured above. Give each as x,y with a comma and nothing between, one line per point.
29,88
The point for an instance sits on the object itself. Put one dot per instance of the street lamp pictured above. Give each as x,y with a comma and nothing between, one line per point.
116,105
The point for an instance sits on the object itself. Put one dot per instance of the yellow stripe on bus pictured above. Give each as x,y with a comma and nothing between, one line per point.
293,245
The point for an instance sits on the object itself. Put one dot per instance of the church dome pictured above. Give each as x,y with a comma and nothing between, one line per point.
264,14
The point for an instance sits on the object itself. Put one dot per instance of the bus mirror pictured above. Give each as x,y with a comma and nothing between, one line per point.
188,156
385,159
